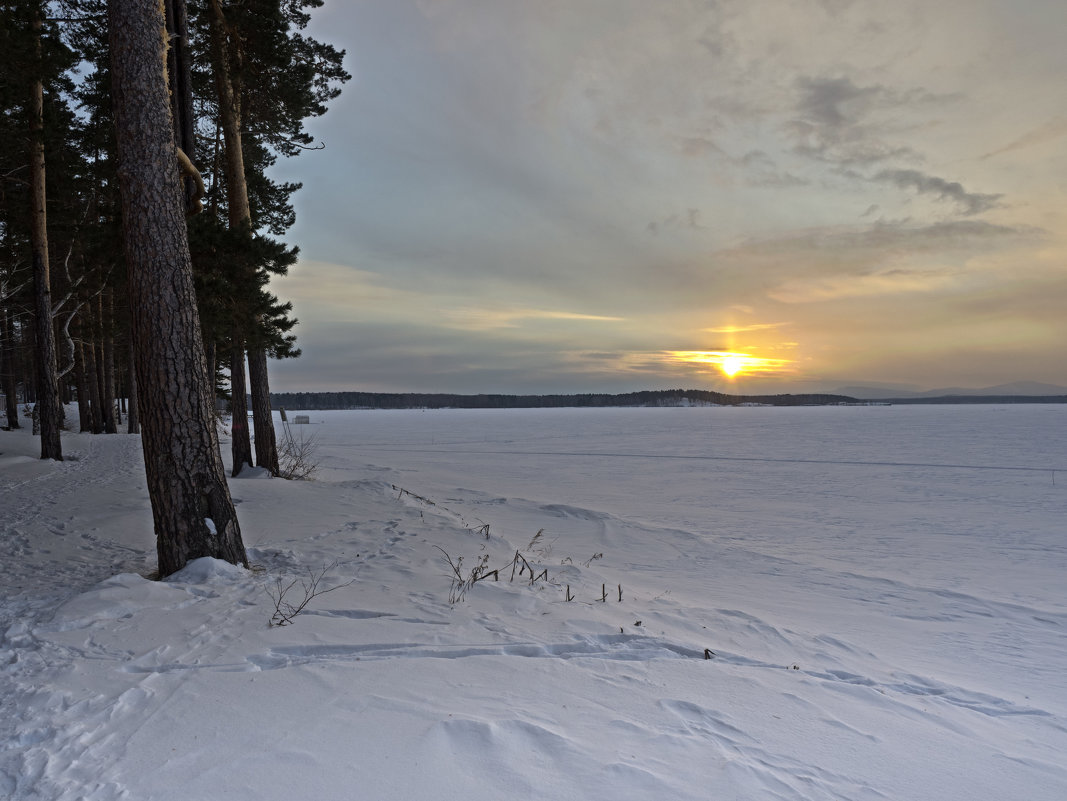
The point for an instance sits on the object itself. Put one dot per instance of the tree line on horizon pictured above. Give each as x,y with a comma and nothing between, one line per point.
354,400
139,229
305,401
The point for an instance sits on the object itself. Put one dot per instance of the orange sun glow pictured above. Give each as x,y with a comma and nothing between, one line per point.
730,363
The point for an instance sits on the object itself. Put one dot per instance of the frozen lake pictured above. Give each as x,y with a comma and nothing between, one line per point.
867,487
880,591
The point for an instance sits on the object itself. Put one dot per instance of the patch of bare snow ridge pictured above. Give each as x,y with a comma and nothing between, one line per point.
829,603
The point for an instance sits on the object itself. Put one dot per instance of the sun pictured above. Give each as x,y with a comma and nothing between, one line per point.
733,364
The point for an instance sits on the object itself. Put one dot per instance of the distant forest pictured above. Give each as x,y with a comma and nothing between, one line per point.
669,397
968,399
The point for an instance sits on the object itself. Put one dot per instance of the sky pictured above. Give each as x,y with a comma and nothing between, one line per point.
616,195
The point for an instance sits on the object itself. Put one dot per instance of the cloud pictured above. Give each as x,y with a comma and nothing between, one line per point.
1050,131
825,247
698,147
972,202
761,170
689,220
744,329
834,124
336,291
864,261
482,319
837,287
835,103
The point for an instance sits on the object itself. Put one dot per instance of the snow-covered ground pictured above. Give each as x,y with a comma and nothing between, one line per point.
881,591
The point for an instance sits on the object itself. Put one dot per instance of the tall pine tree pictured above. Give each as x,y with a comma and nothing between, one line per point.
191,505
268,79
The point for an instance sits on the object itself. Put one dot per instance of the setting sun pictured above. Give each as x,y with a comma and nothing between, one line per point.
731,363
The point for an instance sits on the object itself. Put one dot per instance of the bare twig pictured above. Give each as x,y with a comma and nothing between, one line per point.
296,457
284,609
461,583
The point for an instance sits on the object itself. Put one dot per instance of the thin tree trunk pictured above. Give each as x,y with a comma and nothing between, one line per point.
92,371
133,423
101,387
179,75
116,366
48,402
107,350
191,505
266,441
210,351
9,359
240,214
240,442
84,403
240,219
96,419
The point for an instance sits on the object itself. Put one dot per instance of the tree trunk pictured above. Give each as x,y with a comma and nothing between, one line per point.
133,423
240,219
191,505
240,214
48,403
266,442
92,372
179,74
107,354
210,349
101,389
240,443
7,334
82,385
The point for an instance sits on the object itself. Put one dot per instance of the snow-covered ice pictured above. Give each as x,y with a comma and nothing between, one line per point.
880,591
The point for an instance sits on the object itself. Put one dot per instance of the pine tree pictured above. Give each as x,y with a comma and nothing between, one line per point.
49,404
191,505
267,78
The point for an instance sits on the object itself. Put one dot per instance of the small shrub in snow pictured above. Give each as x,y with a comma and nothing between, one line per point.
296,457
288,604
462,583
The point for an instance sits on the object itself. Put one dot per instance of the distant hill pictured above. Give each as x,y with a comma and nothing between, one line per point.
1015,389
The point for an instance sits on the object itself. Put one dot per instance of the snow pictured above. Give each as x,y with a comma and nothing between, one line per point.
880,589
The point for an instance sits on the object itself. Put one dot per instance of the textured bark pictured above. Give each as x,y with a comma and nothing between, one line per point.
240,214
133,421
209,353
48,404
240,218
92,380
179,73
240,441
82,386
98,360
7,338
192,510
266,441
107,352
